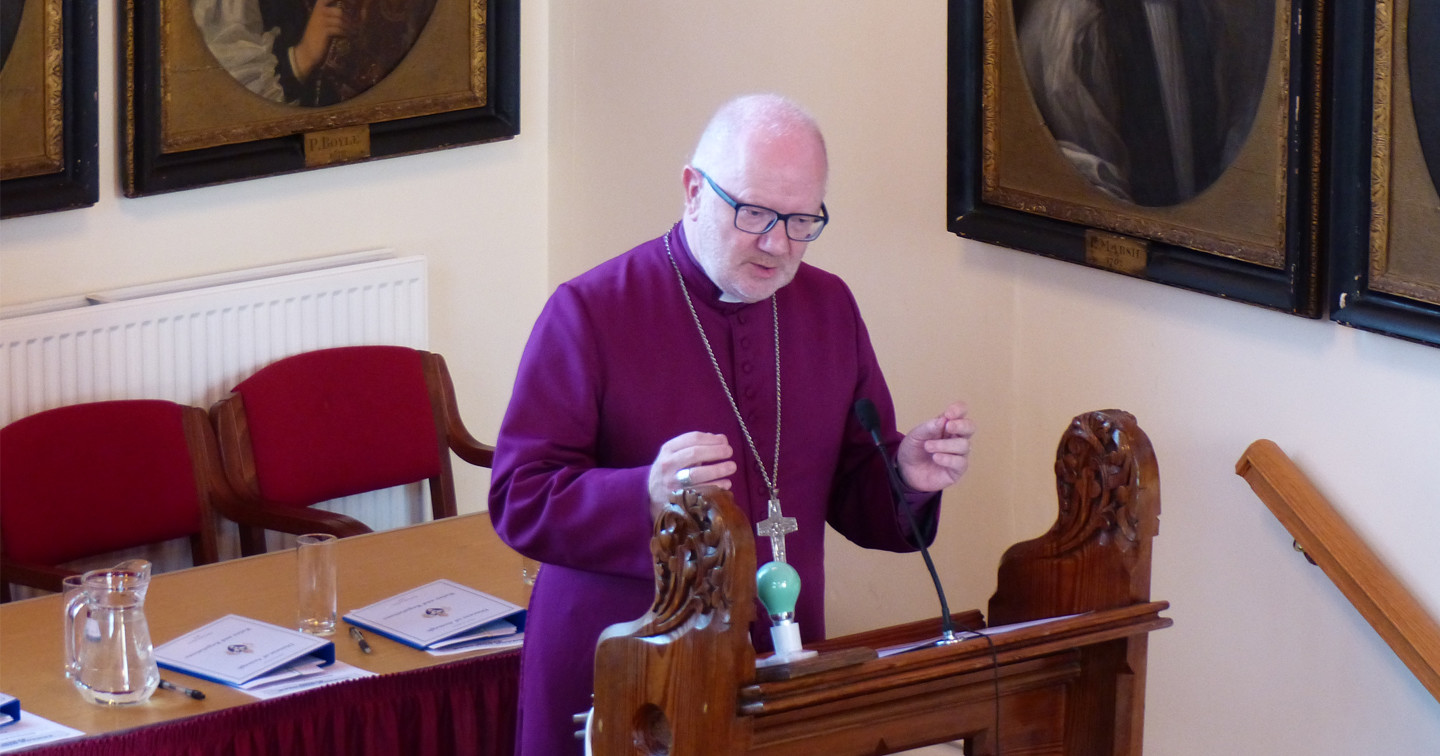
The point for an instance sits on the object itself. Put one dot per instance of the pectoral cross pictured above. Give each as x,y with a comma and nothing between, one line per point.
776,526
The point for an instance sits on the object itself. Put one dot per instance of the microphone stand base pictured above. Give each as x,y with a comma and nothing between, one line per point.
947,638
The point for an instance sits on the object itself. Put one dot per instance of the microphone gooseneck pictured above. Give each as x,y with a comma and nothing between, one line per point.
869,419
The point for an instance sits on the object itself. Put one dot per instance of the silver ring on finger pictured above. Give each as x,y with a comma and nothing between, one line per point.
683,477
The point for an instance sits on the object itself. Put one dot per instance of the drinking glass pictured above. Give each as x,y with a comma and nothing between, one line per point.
529,570
315,555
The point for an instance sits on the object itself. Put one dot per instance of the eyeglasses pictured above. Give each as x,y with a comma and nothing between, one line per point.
754,219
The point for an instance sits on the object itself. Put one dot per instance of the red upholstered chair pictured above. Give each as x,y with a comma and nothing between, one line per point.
89,479
337,422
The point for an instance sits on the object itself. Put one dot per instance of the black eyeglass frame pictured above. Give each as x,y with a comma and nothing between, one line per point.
824,217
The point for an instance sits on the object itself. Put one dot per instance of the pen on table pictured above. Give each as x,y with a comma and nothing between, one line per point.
182,690
360,638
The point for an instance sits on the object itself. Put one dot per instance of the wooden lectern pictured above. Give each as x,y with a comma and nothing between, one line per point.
682,679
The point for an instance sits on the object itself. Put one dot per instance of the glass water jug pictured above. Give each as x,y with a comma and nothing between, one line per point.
107,640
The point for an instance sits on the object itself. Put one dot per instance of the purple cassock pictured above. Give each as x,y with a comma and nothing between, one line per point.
614,369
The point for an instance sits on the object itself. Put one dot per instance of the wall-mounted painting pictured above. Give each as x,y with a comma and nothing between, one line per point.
223,90
1385,218
47,106
1170,140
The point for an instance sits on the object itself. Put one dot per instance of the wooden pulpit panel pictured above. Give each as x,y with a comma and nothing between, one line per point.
1097,554
671,676
681,681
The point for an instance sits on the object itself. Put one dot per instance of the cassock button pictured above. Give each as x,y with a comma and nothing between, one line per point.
745,342
747,368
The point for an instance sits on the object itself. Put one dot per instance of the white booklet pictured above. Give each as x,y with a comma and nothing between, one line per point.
443,614
32,730
245,653
337,672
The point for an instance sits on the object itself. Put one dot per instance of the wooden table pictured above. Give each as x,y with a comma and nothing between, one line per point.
369,568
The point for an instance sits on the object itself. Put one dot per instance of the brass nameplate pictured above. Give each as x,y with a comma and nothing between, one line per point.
1121,254
337,146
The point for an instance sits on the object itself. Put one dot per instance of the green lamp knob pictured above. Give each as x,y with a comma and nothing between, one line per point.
778,585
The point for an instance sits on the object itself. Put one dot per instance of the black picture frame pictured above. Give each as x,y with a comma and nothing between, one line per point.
67,176
480,36
1384,261
1089,227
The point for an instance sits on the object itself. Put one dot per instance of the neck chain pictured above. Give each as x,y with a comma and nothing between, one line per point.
779,525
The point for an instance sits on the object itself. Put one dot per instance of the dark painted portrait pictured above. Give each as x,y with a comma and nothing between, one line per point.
10,12
1424,62
310,52
1150,100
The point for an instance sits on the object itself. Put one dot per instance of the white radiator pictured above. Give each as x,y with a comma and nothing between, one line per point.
195,339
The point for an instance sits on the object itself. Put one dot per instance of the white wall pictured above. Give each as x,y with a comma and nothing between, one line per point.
1265,657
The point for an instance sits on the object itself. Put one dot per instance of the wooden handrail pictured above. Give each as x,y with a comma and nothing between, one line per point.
1325,537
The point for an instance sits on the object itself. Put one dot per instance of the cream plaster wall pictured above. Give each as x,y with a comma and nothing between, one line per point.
1266,657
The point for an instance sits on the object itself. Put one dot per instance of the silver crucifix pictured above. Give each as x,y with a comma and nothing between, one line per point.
776,526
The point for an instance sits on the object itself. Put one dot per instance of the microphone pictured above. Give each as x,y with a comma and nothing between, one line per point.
869,419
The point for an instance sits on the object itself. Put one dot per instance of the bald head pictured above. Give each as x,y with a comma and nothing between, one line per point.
758,122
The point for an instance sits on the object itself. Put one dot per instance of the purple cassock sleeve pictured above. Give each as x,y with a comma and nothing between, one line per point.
614,368
557,503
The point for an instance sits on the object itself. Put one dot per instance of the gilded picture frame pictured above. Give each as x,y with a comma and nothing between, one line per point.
1047,157
1385,217
48,144
208,98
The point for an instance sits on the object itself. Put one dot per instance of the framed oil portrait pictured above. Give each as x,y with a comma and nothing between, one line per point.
223,90
48,130
1172,140
1385,168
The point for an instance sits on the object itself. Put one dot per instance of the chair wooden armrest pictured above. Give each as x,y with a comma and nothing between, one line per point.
470,450
442,394
255,516
274,516
42,576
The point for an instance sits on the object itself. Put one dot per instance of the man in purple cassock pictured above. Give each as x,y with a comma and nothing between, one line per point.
660,369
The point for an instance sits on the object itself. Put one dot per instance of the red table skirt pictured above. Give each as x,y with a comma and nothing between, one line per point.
466,708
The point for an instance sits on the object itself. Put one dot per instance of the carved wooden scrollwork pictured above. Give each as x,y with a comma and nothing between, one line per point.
693,552
1108,484
704,556
1097,479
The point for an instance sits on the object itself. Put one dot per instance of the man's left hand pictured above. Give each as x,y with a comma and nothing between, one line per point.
937,452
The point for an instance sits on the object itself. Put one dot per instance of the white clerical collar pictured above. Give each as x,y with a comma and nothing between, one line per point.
694,269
